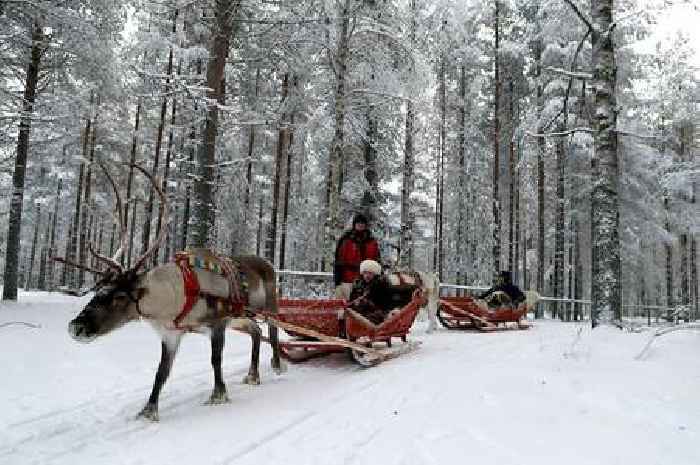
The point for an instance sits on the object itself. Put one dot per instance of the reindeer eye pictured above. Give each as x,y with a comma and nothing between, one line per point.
120,296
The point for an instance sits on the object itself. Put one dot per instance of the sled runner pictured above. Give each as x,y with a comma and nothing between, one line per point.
465,312
322,327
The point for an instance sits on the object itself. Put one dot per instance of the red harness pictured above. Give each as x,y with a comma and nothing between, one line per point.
236,302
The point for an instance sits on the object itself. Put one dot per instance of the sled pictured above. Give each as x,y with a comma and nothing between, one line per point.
325,326
465,313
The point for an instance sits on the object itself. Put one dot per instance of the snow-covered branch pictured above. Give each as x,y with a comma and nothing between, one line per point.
571,74
576,9
560,134
661,332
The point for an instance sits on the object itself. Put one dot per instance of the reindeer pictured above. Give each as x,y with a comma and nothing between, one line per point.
124,294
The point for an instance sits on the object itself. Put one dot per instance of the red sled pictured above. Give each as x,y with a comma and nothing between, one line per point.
465,313
324,326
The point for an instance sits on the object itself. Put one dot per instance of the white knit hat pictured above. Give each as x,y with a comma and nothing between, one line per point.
370,265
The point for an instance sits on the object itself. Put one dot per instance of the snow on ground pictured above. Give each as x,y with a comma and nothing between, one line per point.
557,393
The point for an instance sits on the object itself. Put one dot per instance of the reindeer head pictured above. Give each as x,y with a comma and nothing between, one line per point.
118,291
114,304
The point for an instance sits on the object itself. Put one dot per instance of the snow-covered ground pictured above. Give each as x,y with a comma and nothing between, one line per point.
555,394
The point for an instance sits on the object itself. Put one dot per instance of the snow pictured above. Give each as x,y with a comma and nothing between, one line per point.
556,393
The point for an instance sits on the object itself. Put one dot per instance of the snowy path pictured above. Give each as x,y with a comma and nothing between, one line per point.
541,396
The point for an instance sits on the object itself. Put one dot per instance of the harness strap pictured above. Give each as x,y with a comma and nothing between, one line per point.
191,284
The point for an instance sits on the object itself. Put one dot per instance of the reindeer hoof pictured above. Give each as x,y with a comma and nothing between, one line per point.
279,368
218,397
253,380
149,412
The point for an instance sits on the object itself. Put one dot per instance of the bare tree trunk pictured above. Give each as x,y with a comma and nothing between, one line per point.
249,160
559,225
519,278
578,271
287,191
496,147
148,217
166,176
694,260
541,144
14,226
87,200
669,261
511,176
32,254
129,183
282,148
287,184
605,217
405,252
335,164
52,241
259,235
441,171
462,162
570,272
371,194
186,213
203,208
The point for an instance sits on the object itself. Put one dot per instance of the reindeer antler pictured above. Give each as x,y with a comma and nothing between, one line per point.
164,221
114,261
77,265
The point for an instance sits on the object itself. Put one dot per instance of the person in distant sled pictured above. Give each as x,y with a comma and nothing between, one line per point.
504,292
372,295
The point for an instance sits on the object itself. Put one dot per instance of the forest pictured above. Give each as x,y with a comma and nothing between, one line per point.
553,138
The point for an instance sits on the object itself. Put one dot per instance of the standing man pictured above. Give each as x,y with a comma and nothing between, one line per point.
354,246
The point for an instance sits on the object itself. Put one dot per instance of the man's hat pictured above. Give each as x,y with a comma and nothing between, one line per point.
359,218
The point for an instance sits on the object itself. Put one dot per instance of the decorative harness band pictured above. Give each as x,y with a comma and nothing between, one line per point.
231,306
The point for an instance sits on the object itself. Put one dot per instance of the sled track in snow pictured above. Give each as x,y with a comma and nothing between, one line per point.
293,424
117,422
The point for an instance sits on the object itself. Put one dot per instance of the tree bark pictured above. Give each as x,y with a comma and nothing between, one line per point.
282,148
129,183
496,146
559,253
335,164
541,146
441,171
10,280
14,226
166,176
148,218
203,208
52,241
249,160
87,200
408,181
511,176
287,189
605,218
460,250
32,254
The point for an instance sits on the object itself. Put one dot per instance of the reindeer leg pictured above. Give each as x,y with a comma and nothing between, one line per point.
432,307
218,395
169,345
277,364
253,376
